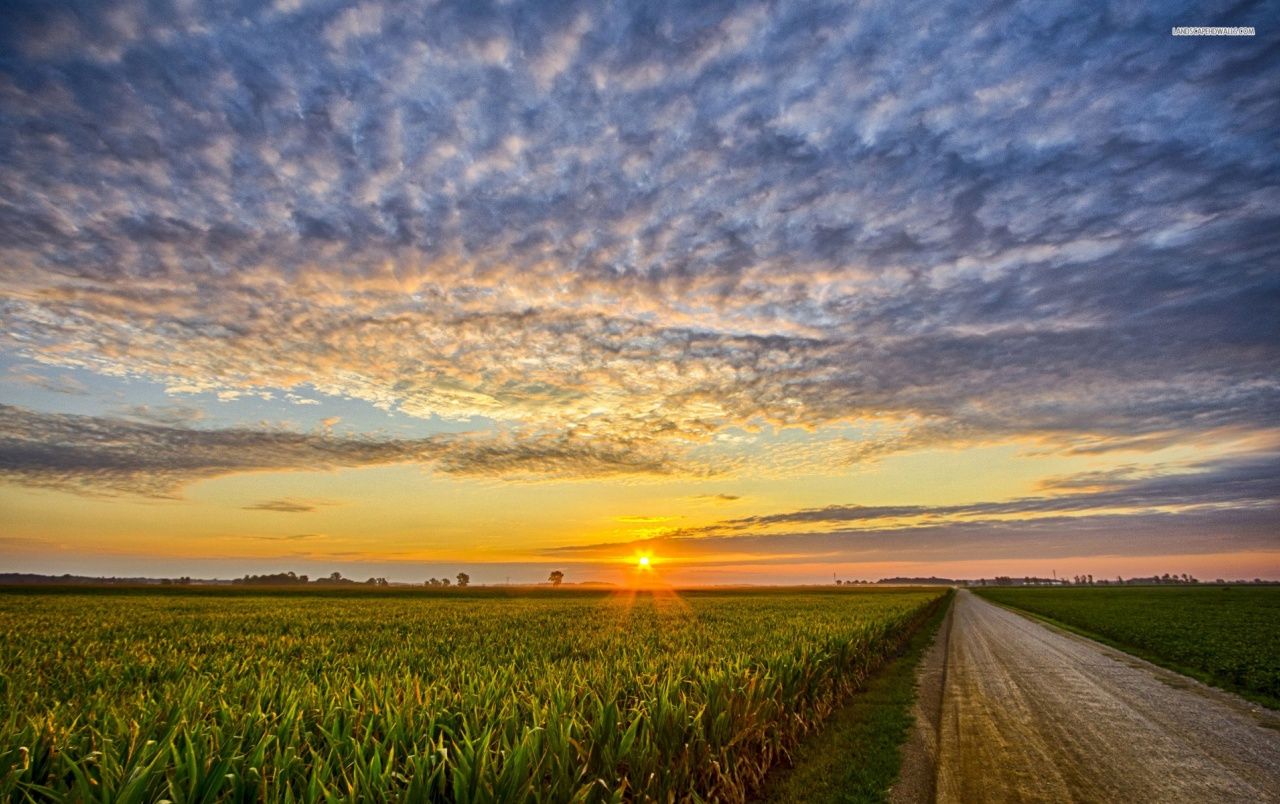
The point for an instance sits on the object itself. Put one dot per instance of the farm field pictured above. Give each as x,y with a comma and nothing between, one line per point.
454,697
1226,636
858,755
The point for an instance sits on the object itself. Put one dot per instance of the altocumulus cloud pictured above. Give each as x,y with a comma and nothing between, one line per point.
622,233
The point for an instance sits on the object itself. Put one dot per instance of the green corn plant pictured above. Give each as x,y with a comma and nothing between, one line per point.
568,697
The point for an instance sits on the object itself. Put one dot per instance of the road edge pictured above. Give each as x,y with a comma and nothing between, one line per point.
918,777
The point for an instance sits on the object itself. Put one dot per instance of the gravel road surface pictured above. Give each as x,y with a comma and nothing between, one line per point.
1032,713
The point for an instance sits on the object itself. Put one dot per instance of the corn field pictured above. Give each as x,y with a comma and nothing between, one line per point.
537,697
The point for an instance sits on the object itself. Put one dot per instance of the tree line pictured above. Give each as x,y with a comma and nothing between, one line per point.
336,579
461,580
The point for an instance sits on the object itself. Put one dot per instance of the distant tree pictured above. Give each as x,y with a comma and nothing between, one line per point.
1090,577
277,579
556,577
463,579
444,581
303,579
335,576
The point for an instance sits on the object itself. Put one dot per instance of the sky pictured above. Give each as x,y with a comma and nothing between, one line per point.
767,292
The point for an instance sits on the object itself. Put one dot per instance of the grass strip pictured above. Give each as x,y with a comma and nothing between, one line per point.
857,756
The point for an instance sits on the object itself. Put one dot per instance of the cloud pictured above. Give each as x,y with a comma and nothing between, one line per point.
650,226
1204,531
288,506
58,384
717,498
1236,484
357,22
175,415
291,537
1199,508
99,455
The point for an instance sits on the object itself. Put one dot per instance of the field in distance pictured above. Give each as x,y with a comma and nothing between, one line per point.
1226,636
556,697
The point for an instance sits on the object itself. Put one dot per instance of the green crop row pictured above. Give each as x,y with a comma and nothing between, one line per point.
142,698
1227,636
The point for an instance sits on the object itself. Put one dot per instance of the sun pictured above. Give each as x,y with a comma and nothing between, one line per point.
644,562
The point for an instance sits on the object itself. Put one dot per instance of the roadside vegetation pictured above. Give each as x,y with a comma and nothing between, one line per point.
1224,635
857,755
567,696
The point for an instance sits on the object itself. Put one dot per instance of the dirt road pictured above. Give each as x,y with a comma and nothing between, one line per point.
1031,713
